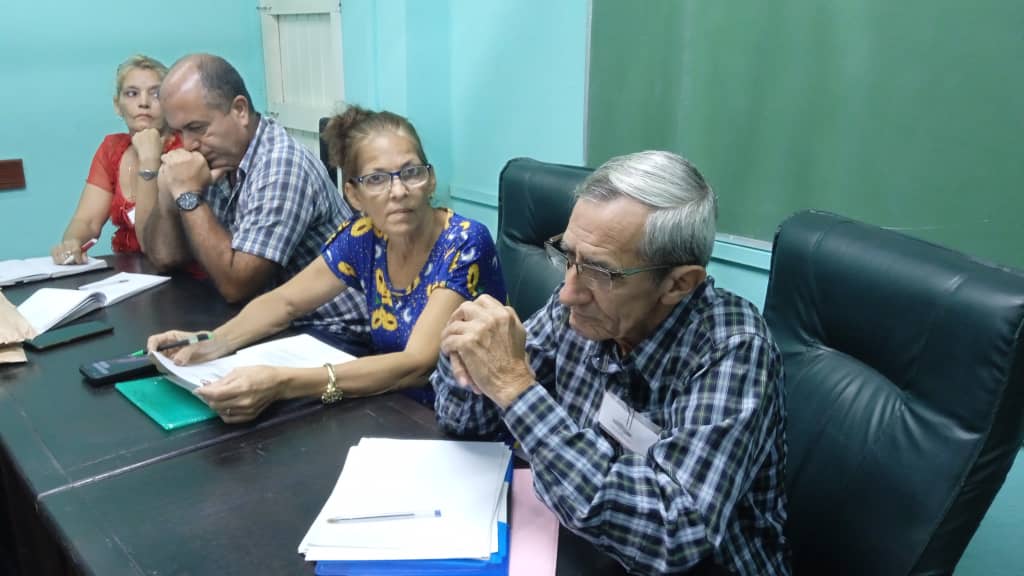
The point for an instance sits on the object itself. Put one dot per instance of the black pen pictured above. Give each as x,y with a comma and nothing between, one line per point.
185,342
190,340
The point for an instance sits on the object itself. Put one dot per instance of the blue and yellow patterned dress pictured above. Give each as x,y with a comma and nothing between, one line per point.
463,259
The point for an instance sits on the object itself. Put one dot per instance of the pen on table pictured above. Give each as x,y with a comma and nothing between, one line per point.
388,516
88,244
108,282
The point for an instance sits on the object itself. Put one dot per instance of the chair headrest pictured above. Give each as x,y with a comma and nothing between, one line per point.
910,309
535,200
324,155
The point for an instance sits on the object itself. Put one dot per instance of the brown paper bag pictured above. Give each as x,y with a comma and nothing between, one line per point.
14,330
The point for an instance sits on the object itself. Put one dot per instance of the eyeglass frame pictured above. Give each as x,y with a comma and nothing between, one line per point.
358,180
553,250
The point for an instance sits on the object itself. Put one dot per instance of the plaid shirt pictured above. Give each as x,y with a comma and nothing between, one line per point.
283,207
712,486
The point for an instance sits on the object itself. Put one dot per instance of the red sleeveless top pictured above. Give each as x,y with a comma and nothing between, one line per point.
105,174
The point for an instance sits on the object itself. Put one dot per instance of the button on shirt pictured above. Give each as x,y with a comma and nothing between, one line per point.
711,487
282,207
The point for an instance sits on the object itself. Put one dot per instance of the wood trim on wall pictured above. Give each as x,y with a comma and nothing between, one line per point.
12,175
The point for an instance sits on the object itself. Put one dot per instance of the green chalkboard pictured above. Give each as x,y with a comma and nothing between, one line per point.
908,114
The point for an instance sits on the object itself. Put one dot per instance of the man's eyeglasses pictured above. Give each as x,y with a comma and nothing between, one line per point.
380,182
592,276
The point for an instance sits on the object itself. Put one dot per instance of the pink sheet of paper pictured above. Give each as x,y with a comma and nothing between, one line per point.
533,540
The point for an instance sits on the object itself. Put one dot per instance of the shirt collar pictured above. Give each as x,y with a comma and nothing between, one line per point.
231,184
648,356
250,153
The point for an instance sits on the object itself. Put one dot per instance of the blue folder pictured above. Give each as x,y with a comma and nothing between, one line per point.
496,565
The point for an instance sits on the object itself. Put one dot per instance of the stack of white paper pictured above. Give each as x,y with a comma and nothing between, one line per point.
413,500
302,351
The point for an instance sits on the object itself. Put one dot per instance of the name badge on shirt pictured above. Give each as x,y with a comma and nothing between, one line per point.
131,216
633,431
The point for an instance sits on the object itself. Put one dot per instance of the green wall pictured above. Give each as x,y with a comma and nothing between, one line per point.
904,114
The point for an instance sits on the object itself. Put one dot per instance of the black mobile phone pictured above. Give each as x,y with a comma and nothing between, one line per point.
58,336
116,369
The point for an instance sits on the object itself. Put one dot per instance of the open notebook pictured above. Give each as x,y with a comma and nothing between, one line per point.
32,269
49,307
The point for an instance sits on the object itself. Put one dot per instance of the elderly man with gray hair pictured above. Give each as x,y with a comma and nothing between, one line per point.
650,402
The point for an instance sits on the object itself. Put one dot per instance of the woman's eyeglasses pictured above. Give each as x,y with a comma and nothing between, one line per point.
380,182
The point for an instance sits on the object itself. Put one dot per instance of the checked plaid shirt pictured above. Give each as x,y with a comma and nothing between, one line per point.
711,487
283,207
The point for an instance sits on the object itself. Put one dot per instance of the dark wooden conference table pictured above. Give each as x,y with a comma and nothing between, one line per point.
88,484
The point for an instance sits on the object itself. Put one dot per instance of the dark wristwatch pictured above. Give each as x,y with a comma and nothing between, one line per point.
188,201
147,175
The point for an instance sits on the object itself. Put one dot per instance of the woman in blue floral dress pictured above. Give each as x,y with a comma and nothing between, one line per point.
413,262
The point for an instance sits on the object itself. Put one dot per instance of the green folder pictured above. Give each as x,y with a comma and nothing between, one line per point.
168,404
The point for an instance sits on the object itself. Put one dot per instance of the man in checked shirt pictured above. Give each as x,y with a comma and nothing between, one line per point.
650,402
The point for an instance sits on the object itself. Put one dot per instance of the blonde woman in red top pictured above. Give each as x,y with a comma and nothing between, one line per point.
122,179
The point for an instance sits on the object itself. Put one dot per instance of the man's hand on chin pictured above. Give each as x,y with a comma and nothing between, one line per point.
183,171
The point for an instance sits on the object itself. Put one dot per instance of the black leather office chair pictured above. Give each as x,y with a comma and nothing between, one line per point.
905,389
324,156
534,203
903,370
